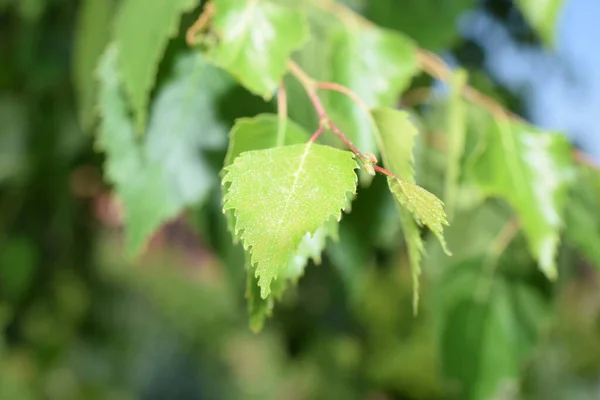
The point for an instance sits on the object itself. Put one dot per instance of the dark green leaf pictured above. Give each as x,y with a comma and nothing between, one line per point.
485,336
432,23
18,263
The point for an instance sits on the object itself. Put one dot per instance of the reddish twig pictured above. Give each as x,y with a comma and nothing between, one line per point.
199,25
282,114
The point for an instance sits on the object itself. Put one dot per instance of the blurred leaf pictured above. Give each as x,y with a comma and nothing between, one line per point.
13,138
143,29
432,23
18,264
543,16
376,64
484,339
456,130
281,194
259,309
158,178
31,10
531,170
256,39
581,229
93,32
185,121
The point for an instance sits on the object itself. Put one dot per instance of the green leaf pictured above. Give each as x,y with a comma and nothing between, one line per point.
143,29
581,230
425,207
431,23
531,170
93,33
157,178
259,309
258,133
543,16
377,64
396,135
256,38
456,130
495,333
281,194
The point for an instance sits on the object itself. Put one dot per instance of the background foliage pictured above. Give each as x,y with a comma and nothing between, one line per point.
119,275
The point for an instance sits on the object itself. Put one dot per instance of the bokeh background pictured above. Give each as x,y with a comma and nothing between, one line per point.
79,321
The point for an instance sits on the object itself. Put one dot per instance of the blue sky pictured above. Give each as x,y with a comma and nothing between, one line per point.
561,86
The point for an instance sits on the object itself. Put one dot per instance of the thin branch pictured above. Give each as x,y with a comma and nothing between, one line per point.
384,171
317,133
336,87
281,114
437,68
199,25
309,86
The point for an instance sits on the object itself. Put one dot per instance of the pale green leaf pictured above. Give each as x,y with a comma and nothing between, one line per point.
184,121
281,194
143,29
158,177
456,128
256,38
258,133
396,135
93,33
543,16
376,64
310,248
426,208
531,170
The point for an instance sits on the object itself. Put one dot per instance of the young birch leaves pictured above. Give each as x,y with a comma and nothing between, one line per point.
281,194
396,140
